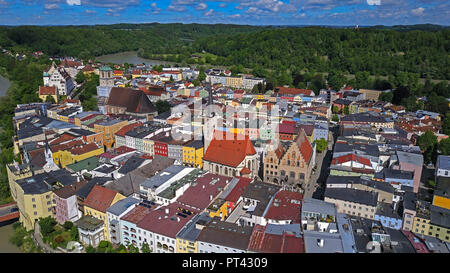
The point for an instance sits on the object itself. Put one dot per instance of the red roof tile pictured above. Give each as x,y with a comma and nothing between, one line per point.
204,191
164,224
304,146
271,243
229,150
293,91
285,206
238,189
125,129
100,198
47,90
84,149
351,157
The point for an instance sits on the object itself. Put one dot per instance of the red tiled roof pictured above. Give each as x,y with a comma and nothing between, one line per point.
68,63
47,90
238,189
84,149
117,151
229,150
245,171
351,157
271,243
283,208
62,138
304,146
164,224
100,198
199,195
65,146
285,128
308,128
125,129
136,214
293,91
88,68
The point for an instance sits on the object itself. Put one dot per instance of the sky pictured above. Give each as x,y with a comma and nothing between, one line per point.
246,12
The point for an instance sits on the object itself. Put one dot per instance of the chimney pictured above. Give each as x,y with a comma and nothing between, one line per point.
178,219
167,211
210,197
203,186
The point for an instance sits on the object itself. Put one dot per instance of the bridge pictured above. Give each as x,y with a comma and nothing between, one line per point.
9,212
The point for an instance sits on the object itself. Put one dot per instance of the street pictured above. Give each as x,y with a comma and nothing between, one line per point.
316,186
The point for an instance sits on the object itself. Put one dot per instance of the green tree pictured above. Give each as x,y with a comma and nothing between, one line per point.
428,144
47,225
444,146
335,118
50,99
132,249
321,145
74,235
145,248
386,96
335,109
162,106
80,77
90,249
68,225
346,110
336,80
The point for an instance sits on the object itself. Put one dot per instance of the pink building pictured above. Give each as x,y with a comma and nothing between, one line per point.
66,206
410,162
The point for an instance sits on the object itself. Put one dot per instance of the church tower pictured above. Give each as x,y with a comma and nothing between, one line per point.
106,76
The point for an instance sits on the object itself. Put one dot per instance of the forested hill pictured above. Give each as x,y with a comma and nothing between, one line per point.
379,50
383,52
88,41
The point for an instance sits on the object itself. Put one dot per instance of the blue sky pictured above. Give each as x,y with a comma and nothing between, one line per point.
252,12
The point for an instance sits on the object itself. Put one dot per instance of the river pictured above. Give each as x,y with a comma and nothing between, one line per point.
6,232
130,57
4,85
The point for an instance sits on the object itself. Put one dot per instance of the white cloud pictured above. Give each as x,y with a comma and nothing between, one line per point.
418,11
176,8
51,6
73,2
374,2
209,12
201,6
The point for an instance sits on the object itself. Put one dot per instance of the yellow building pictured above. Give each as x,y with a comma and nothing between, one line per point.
96,203
218,208
429,222
186,246
193,154
109,129
68,154
235,82
34,199
46,91
148,146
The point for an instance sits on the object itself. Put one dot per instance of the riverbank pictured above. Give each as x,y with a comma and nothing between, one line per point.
4,85
6,232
